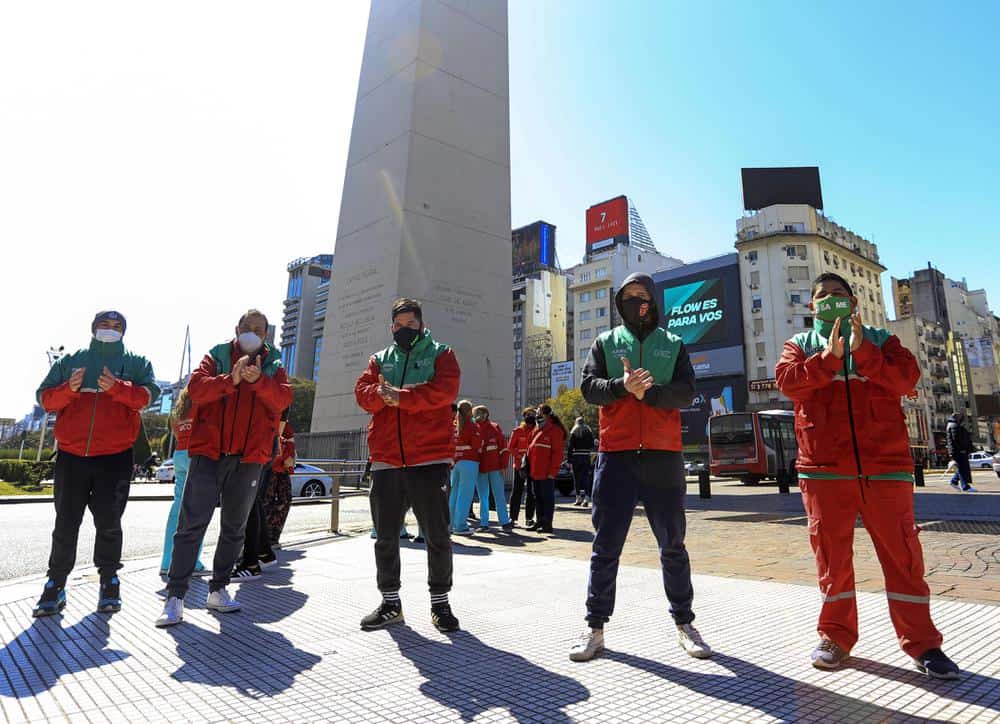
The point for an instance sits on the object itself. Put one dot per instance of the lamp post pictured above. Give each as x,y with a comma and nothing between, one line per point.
54,354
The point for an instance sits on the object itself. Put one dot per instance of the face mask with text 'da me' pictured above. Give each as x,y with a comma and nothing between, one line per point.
829,310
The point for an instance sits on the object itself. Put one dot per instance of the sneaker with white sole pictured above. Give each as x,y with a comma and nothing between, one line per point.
386,614
589,645
936,665
246,573
692,642
828,655
969,489
222,602
173,613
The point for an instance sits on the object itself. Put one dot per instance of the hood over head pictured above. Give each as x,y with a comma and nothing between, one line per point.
654,310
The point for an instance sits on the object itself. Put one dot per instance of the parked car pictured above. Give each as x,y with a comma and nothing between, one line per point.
165,473
693,467
980,460
996,464
309,481
564,480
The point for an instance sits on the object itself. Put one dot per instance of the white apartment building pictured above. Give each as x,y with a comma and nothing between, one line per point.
539,307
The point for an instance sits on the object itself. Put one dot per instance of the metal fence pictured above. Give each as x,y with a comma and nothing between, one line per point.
345,445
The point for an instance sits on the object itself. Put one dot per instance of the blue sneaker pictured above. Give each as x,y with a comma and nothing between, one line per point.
53,600
110,599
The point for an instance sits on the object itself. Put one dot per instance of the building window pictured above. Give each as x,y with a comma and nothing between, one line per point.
295,285
600,329
317,353
756,304
796,227
762,373
807,323
602,312
288,359
585,334
601,272
584,297
795,298
584,353
826,257
583,316
752,257
754,279
798,273
584,277
601,293
761,349
758,326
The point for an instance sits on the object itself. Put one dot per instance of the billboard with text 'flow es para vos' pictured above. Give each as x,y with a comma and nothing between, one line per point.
696,311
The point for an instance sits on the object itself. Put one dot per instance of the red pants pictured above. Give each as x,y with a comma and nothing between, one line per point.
887,513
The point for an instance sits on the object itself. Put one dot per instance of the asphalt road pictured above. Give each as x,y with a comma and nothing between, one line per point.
25,531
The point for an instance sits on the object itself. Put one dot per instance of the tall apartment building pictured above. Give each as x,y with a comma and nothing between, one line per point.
305,312
782,248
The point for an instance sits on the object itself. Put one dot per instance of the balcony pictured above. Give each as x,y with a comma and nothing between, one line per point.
941,389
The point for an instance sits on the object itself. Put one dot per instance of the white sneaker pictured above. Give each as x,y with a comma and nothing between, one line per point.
827,655
692,642
173,613
222,602
589,645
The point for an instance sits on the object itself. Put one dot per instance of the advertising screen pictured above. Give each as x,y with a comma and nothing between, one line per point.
703,307
532,247
764,187
715,397
607,223
562,377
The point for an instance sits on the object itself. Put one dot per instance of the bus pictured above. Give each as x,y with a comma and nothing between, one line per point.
752,446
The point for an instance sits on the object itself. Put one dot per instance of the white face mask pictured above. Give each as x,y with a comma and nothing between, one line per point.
249,342
107,335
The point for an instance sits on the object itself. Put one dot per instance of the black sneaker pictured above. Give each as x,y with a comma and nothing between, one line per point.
509,528
52,601
936,665
246,573
418,539
385,615
443,619
267,559
109,600
529,524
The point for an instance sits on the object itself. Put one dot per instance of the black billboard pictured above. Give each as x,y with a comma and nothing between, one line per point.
533,247
701,303
764,187
715,396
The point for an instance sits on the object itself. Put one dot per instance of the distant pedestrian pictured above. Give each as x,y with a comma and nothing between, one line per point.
239,391
641,377
545,457
960,447
408,389
847,381
97,394
465,474
581,453
518,447
181,419
490,484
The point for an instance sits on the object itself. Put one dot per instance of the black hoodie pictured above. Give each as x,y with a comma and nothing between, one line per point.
959,439
599,390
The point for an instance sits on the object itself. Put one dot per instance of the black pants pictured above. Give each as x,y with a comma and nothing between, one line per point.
515,497
258,538
583,478
100,483
231,483
963,476
545,498
425,489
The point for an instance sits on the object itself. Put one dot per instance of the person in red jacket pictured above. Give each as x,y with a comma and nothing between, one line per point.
408,389
518,447
465,475
278,500
846,381
495,458
239,392
545,455
97,394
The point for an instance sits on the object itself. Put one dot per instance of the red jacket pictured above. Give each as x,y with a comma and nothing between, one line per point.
519,440
237,419
495,453
884,372
420,429
469,444
545,452
182,431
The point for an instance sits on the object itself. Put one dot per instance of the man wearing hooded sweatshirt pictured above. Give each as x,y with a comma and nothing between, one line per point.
640,376
959,447
97,394
239,391
846,381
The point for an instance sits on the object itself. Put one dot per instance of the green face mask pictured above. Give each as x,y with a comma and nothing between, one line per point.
829,310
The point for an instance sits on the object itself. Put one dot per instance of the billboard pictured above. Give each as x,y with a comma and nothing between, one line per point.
764,187
533,247
700,303
563,376
718,362
979,351
607,224
716,396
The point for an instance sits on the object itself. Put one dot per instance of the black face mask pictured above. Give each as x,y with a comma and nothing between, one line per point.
405,337
630,311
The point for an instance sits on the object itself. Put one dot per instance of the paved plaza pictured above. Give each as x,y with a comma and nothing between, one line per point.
296,654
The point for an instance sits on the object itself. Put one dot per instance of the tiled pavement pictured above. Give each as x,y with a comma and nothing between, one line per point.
296,654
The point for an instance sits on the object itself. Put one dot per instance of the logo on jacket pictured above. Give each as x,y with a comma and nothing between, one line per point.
663,353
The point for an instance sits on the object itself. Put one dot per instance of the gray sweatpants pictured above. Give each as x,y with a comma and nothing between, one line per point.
229,482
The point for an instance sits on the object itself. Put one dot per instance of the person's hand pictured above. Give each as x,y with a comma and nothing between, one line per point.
857,333
251,370
388,393
237,373
290,463
835,345
636,381
107,380
76,379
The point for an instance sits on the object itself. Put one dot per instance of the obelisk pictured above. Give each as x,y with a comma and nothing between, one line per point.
426,203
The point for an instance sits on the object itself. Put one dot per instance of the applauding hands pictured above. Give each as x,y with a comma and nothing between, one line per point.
637,381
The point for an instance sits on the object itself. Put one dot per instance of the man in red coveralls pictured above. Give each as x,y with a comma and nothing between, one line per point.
846,380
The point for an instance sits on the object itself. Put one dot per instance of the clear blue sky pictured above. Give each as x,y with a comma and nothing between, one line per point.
897,103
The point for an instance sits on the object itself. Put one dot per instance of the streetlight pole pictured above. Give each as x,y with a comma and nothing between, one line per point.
54,354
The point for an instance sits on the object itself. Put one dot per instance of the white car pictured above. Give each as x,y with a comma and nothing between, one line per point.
980,460
309,481
165,473
996,464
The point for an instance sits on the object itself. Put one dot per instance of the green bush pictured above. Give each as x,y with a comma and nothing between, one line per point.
24,472
11,453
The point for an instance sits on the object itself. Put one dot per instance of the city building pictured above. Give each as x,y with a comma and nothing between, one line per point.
618,244
539,292
304,315
701,303
782,248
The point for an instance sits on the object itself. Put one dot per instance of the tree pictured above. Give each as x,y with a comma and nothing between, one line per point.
569,405
301,410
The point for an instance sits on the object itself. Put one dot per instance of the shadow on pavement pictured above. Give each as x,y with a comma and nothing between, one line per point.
970,689
36,659
471,677
770,693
